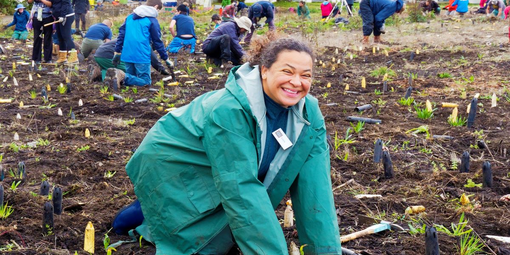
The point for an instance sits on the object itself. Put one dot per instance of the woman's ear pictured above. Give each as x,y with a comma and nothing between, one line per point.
263,71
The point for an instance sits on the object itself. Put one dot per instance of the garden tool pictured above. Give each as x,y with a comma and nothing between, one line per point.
381,226
60,19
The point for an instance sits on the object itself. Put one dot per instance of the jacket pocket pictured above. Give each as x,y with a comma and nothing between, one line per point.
197,191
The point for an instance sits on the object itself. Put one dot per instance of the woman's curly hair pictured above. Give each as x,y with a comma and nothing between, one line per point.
264,50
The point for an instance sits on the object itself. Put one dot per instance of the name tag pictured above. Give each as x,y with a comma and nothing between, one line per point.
282,139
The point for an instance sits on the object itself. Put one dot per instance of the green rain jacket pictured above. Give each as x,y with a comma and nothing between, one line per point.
195,174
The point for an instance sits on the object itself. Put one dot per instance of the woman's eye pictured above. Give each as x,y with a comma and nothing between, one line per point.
287,71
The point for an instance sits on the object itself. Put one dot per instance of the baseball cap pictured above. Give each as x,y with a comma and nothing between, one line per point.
257,10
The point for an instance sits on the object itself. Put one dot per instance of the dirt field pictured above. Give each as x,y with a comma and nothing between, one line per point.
451,62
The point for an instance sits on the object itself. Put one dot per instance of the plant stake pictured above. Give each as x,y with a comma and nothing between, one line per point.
431,241
45,188
408,91
378,151
464,162
88,245
385,86
57,200
47,218
487,174
21,170
388,165
1,195
363,107
472,113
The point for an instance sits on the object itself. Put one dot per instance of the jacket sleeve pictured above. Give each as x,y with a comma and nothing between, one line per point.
234,41
233,156
383,14
120,39
157,44
269,14
13,21
312,201
455,3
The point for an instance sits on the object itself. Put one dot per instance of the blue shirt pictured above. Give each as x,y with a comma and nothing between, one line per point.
276,117
185,25
20,20
99,31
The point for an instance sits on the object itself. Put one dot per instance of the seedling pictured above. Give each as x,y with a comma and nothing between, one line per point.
406,102
14,185
471,184
423,114
128,99
358,127
5,211
379,102
457,229
33,94
42,142
457,122
14,147
444,75
377,92
470,244
103,90
110,98
383,71
130,122
135,90
83,148
62,89
347,140
420,129
109,174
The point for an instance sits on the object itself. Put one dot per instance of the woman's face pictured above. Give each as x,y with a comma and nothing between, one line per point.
289,78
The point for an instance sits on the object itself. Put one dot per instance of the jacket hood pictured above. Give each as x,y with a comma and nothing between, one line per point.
399,5
146,11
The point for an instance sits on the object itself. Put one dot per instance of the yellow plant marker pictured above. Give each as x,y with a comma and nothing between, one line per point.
350,56
373,50
428,105
288,216
333,59
21,104
415,209
417,51
14,66
173,83
5,101
5,79
336,51
80,102
15,81
323,65
477,95
346,87
332,68
67,79
338,61
48,87
328,85
453,117
450,105
209,70
464,200
494,100
385,77
38,76
87,133
320,62
30,77
363,83
88,245
385,53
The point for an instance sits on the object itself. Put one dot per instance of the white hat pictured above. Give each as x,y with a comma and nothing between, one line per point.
243,22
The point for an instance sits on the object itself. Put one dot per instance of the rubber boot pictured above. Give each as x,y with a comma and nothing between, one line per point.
365,39
377,39
55,49
72,57
62,57
114,78
94,73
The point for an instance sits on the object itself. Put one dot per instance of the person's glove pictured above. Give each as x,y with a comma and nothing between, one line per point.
60,19
116,59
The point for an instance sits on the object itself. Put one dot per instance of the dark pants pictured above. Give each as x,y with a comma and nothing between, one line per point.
350,8
80,17
65,41
368,19
219,48
40,30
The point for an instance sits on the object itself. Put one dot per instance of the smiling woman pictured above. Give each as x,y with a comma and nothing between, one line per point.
209,175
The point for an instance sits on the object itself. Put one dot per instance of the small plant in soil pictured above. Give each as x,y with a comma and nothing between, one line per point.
444,75
346,140
420,129
382,71
358,127
42,142
33,94
423,114
457,122
103,90
377,92
471,184
128,99
83,148
14,185
124,90
6,211
470,244
13,147
110,98
109,174
135,90
406,102
379,102
456,229
62,89
130,122
160,97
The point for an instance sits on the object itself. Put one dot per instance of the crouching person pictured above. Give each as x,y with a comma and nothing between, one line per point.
95,36
222,45
185,36
210,174
134,42
103,57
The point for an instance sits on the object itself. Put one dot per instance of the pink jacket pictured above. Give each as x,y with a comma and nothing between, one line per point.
326,9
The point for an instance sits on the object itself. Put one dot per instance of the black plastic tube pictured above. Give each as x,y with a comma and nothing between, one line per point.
366,120
431,241
45,188
388,165
341,79
1,195
47,219
21,170
442,137
69,88
411,58
385,86
472,113
378,151
464,162
487,174
346,251
363,107
57,200
73,117
408,91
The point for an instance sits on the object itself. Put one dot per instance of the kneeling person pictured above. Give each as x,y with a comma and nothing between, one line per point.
222,45
95,36
185,31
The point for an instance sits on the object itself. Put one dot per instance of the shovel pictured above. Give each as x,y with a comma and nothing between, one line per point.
381,226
